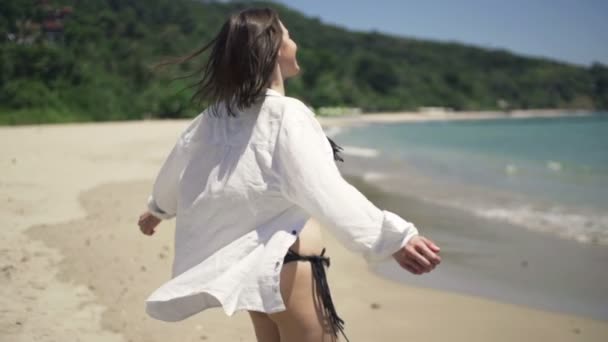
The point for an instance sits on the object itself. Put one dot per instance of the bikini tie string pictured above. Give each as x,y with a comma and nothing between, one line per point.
318,269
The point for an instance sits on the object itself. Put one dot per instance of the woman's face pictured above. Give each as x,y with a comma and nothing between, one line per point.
287,55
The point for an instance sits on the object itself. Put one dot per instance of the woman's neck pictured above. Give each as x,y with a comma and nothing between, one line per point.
276,81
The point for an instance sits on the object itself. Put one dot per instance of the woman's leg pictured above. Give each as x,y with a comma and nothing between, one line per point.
303,320
265,329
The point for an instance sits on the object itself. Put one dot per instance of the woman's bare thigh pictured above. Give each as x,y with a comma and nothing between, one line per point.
265,329
303,319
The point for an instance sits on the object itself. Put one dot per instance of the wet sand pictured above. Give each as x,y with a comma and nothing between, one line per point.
501,261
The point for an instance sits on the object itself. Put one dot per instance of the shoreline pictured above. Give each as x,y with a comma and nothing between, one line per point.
480,259
583,221
399,185
395,117
370,117
76,265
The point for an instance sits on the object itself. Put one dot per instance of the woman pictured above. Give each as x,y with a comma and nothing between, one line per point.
250,181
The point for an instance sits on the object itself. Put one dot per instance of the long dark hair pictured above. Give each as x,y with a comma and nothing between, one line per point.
241,60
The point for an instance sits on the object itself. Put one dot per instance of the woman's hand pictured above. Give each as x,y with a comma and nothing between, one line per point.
420,255
147,222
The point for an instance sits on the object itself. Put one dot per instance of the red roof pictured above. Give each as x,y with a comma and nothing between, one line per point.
52,26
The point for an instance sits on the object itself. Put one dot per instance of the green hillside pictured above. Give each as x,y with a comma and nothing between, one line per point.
91,60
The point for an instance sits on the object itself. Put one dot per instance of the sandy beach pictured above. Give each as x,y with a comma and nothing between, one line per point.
74,266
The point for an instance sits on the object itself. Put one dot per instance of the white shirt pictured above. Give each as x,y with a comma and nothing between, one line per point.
241,189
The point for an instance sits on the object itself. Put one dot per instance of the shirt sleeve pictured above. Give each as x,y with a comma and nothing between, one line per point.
162,202
309,177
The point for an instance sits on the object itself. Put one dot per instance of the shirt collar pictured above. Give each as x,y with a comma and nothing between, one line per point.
272,92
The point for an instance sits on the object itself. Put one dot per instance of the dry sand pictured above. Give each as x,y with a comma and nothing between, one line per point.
74,266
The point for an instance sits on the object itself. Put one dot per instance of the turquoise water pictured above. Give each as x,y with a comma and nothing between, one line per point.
554,169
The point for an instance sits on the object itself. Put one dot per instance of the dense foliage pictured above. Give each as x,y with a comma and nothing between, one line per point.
94,62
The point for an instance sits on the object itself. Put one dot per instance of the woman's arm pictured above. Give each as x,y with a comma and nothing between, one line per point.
164,191
162,202
310,178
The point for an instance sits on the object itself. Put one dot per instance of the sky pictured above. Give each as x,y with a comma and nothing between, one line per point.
574,31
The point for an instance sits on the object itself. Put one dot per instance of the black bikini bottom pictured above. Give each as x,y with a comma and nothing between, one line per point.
317,263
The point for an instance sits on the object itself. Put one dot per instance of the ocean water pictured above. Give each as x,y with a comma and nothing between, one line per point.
546,174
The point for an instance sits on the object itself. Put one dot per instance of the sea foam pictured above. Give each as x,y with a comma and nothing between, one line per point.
364,152
586,228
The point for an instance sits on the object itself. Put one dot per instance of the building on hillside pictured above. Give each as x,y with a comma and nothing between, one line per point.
48,25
